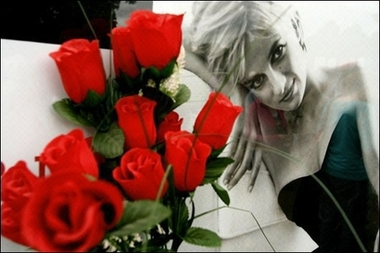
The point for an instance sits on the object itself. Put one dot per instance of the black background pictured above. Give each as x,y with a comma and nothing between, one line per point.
60,20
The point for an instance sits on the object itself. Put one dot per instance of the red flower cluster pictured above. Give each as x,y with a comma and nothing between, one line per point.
149,39
73,207
17,185
186,152
66,211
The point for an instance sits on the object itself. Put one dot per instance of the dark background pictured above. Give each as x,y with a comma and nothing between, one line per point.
60,20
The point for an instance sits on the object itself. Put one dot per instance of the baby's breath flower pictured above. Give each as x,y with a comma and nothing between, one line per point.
160,230
106,243
181,58
108,246
137,237
117,239
170,85
151,83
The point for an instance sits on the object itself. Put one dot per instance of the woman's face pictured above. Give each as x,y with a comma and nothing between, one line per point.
276,67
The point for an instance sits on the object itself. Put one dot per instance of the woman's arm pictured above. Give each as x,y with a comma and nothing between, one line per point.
196,65
245,154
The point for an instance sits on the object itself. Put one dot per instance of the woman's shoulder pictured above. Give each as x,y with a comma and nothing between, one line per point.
350,71
347,79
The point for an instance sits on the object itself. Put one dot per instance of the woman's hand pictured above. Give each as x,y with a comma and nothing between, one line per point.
244,150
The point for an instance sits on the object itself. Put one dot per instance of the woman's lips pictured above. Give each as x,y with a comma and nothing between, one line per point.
289,93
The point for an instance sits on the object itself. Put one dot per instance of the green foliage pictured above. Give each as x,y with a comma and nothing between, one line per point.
156,74
222,193
164,102
110,144
129,85
215,168
182,96
141,216
66,109
168,69
92,99
202,237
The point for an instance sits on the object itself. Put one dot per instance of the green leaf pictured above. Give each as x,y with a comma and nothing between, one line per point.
215,168
66,109
111,143
127,85
183,216
127,80
217,152
202,237
182,96
156,74
164,102
112,93
92,99
150,73
140,216
222,193
167,70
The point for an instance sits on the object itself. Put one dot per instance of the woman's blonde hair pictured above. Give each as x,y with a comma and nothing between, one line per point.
220,31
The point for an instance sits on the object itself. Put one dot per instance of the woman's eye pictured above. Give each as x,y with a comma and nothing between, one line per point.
278,53
255,83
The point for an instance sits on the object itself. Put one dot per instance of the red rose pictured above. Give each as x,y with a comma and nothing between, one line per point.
11,222
188,156
70,152
140,174
17,186
67,212
156,38
17,183
171,122
124,57
136,118
216,119
81,68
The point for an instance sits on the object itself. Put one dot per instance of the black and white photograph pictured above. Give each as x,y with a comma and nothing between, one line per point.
190,126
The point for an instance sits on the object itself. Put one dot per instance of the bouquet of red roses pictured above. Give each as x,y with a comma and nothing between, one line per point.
125,178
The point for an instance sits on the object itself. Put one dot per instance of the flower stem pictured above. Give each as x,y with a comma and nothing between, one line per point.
88,21
176,243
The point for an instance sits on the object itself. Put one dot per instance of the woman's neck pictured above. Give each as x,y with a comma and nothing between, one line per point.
315,82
